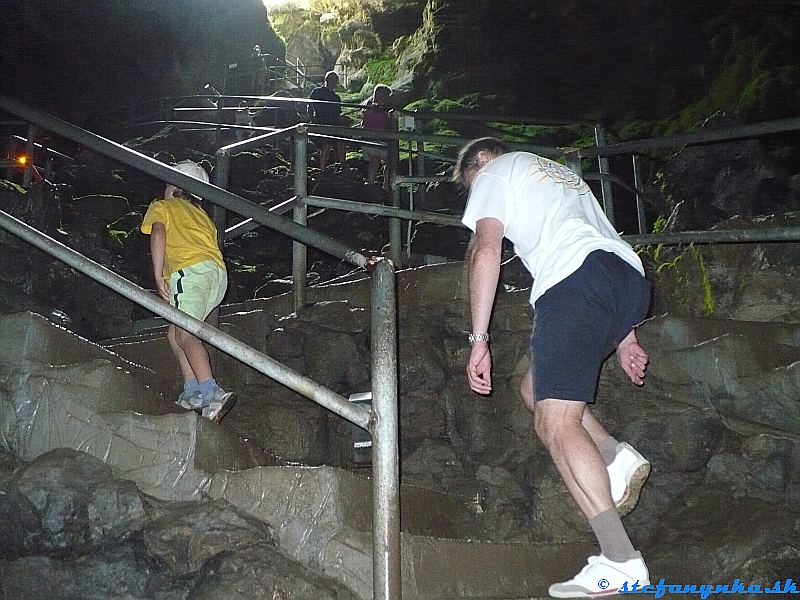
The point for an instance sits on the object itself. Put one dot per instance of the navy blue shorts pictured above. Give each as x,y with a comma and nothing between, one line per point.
579,322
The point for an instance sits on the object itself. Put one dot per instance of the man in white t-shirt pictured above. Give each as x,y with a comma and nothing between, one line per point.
589,293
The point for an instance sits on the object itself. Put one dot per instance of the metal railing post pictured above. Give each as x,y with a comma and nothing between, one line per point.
48,168
637,184
222,166
386,573
392,165
410,225
574,162
220,119
605,185
30,147
422,191
300,214
219,217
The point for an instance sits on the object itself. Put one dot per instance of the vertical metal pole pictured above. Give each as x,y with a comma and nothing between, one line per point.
410,224
30,147
605,186
422,191
48,169
386,574
300,251
395,225
220,119
11,152
574,162
637,183
219,217
221,180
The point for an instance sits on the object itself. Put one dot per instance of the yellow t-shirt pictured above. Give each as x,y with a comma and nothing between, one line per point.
191,235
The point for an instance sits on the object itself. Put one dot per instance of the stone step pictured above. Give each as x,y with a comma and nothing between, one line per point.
28,336
749,373
722,362
668,333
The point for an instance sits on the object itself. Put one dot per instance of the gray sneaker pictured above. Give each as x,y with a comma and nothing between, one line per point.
190,400
219,404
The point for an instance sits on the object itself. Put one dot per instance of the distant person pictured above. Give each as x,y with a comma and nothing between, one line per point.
375,115
258,70
328,112
190,274
243,118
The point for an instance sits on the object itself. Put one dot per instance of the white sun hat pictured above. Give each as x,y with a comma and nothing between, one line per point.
192,169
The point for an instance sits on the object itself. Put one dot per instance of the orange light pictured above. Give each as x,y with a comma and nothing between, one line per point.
22,160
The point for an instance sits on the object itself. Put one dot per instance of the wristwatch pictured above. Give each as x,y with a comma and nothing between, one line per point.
478,337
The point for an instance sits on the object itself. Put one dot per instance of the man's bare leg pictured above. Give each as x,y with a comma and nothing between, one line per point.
559,424
593,427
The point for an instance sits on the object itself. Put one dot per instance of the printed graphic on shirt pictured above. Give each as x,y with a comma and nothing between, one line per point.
561,174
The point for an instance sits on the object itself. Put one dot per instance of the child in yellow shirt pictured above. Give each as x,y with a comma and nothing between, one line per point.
190,274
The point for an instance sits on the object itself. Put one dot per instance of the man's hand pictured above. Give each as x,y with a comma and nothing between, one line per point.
632,358
479,368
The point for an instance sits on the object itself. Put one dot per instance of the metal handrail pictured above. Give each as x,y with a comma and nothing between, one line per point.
382,210
692,139
219,339
677,238
381,422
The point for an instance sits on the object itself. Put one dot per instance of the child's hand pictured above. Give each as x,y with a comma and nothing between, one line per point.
170,190
162,288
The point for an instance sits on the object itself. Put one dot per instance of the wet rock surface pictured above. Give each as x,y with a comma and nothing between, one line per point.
72,531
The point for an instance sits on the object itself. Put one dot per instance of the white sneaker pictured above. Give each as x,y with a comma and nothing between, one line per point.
627,474
219,404
603,577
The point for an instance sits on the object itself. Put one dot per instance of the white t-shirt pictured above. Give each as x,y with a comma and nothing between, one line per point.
548,212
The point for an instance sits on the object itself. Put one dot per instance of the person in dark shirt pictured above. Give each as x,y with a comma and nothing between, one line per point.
327,113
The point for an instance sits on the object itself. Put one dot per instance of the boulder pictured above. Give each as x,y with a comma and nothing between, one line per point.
190,534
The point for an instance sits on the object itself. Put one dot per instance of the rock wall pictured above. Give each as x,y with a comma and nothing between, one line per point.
83,59
606,61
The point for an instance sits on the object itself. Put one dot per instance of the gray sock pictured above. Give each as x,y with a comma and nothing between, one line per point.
608,449
614,541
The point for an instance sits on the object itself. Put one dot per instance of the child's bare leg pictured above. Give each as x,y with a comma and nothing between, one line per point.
186,369
196,354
